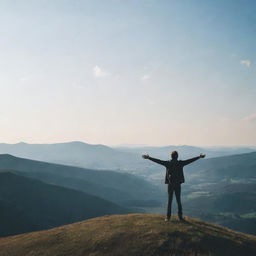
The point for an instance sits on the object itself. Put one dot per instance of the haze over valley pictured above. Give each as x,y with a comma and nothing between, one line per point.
215,190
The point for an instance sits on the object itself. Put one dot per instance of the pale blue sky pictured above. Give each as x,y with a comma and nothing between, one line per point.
116,71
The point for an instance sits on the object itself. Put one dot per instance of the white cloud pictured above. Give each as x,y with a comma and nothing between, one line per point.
145,77
246,63
250,118
99,72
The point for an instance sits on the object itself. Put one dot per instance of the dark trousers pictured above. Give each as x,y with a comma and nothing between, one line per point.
177,189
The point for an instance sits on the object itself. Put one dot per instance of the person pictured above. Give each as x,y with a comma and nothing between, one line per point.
174,178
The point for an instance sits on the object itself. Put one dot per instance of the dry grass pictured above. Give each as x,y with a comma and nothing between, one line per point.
131,235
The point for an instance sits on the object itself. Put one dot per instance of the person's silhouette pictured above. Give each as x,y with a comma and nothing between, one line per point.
174,178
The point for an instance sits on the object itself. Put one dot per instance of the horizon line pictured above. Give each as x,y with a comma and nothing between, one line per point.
130,145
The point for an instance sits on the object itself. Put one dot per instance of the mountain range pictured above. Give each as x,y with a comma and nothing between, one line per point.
235,167
28,205
110,185
37,195
185,151
219,190
99,156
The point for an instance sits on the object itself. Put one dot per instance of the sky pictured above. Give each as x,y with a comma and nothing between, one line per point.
112,72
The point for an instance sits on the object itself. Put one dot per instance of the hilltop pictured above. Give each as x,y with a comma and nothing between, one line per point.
133,235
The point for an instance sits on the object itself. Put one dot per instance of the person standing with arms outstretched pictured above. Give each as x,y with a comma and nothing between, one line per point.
174,178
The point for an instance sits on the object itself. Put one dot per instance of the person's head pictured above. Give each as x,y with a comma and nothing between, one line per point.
174,155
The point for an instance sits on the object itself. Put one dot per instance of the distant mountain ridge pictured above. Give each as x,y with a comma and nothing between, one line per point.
72,153
186,151
99,156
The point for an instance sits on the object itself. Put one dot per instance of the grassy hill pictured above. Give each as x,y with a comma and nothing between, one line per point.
133,235
28,205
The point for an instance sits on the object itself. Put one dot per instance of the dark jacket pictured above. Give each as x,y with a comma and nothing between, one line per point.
174,169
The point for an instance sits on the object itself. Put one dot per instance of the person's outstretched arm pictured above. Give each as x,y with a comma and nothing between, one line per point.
158,161
191,160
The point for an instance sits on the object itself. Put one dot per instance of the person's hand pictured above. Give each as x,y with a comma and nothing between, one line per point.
145,156
202,156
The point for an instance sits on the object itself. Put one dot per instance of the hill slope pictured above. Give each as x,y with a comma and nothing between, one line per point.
28,205
110,185
241,166
133,235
